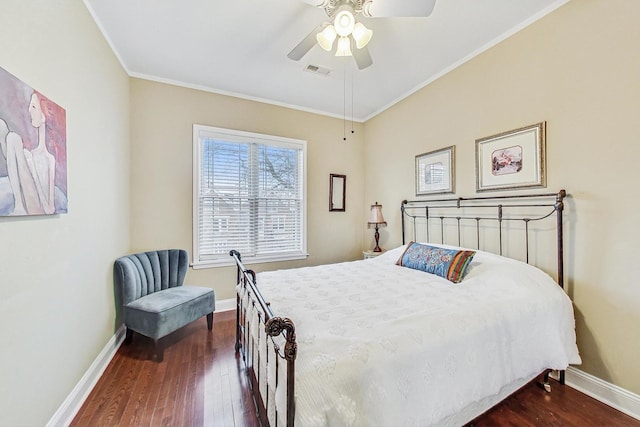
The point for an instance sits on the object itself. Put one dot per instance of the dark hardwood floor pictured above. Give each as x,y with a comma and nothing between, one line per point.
201,382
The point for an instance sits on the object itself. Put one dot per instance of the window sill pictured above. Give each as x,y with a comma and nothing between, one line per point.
229,261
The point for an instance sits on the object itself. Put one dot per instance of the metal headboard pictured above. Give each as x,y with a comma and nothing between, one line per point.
458,213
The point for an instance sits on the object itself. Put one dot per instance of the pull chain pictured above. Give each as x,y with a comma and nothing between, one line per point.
344,103
352,90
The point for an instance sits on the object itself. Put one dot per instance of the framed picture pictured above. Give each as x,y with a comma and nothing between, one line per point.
435,172
337,192
512,160
33,151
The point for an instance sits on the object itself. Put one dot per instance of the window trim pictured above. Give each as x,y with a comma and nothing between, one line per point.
233,135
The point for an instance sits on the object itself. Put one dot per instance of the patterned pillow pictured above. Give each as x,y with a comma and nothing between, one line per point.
448,263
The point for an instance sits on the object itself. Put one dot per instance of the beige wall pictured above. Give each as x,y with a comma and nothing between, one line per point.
56,294
578,69
162,117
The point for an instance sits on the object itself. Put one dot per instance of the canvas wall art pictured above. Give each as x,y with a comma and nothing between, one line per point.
33,151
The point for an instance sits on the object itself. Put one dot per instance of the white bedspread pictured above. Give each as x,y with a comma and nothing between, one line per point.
385,345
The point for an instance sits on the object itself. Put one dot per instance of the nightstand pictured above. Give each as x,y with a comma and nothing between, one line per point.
371,254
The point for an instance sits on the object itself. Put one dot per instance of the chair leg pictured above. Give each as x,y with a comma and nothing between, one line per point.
210,321
159,350
128,336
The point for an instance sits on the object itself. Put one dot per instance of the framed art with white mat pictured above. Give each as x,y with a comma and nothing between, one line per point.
512,160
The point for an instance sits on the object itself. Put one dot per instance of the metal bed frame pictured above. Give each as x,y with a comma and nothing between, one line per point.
503,208
246,344
443,214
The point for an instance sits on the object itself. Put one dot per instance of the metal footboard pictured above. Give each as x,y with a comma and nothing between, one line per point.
268,347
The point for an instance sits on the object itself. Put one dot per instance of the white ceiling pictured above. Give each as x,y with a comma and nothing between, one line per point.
239,47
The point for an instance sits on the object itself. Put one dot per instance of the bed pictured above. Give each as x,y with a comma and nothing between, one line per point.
374,343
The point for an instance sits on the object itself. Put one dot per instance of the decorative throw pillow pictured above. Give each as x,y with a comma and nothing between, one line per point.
448,263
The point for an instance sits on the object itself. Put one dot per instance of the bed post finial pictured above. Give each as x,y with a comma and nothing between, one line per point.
404,202
560,197
275,326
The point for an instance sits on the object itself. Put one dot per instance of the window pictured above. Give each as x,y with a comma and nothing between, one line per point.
278,223
221,224
249,195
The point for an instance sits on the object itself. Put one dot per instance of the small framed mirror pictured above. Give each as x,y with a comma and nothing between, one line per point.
337,192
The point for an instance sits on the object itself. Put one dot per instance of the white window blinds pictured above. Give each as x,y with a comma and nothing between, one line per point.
249,196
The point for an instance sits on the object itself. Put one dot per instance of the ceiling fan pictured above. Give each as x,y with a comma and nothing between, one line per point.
344,27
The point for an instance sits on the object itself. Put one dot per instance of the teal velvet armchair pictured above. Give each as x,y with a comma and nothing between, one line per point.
151,298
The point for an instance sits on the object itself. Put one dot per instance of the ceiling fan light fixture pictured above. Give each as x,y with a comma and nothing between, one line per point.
366,8
345,20
326,37
344,47
361,35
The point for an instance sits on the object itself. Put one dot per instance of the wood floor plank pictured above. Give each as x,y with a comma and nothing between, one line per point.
137,401
177,385
114,406
159,375
197,400
162,393
189,412
202,382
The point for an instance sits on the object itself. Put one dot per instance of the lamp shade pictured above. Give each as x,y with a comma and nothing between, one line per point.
326,37
344,20
361,35
344,47
375,217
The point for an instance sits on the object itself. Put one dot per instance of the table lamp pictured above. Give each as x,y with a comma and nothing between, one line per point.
376,220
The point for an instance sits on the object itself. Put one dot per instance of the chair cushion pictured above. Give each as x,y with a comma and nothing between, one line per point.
162,312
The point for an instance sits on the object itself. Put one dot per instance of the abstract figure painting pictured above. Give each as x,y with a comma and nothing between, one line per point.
33,151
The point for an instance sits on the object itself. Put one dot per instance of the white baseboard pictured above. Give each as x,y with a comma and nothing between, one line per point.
72,404
226,304
607,393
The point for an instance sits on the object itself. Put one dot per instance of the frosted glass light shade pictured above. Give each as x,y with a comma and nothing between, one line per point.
361,35
326,37
344,47
344,21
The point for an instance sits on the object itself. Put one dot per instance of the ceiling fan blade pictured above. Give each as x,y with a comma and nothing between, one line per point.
362,58
305,45
317,3
398,8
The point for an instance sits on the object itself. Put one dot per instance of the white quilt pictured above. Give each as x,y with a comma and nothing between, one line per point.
384,345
